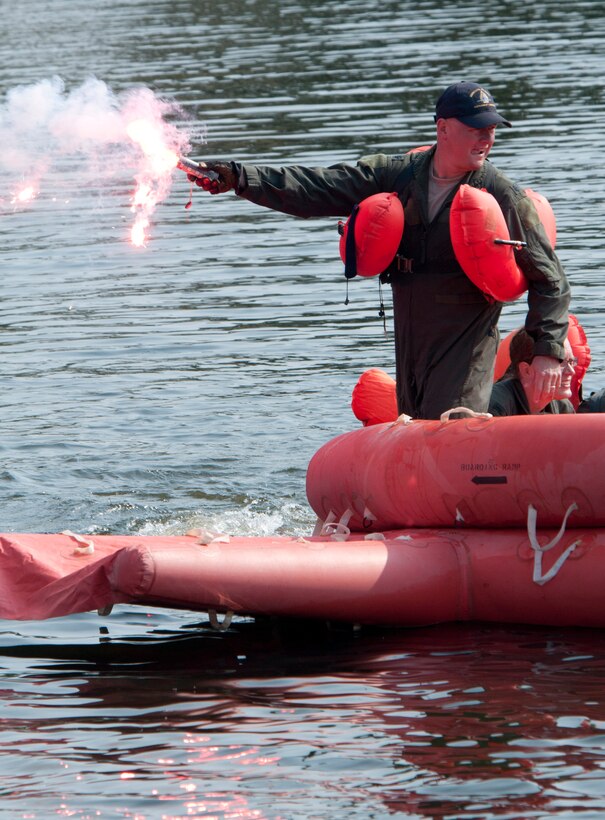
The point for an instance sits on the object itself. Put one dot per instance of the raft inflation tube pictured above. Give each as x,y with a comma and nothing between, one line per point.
463,473
411,578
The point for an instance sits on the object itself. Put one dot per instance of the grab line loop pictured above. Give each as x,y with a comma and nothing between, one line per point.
337,530
220,626
532,518
86,546
464,411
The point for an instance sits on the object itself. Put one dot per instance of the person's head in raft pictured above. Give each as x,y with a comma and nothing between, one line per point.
467,118
521,355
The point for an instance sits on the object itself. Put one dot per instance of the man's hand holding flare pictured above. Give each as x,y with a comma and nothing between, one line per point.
214,176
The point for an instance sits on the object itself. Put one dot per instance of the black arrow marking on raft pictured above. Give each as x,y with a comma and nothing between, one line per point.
489,479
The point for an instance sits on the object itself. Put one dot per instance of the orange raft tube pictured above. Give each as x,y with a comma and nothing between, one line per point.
410,578
466,472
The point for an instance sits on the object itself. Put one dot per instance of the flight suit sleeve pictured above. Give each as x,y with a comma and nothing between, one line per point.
316,192
548,293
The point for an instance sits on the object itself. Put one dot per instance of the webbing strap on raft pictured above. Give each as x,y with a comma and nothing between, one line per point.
532,518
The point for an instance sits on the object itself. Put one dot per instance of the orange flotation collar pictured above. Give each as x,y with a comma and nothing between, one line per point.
483,245
374,398
481,242
371,235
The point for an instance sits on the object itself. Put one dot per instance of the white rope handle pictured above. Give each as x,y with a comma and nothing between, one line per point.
86,546
465,411
532,519
215,623
337,530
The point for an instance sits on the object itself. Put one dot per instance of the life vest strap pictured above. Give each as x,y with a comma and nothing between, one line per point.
350,247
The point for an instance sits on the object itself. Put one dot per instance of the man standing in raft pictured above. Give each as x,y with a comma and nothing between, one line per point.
446,333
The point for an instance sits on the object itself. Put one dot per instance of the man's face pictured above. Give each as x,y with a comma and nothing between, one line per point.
567,372
466,148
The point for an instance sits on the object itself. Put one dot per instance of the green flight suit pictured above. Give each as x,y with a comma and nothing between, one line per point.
446,333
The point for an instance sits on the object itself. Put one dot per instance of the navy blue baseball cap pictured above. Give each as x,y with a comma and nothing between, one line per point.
471,104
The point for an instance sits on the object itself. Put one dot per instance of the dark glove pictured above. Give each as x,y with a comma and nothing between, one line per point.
222,176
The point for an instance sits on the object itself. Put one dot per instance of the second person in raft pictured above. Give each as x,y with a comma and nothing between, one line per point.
446,333
511,395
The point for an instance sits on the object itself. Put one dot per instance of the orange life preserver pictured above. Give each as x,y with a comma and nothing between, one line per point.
371,235
476,222
378,227
476,225
374,398
581,350
579,344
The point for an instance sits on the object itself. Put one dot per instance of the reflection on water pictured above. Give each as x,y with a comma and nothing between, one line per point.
284,721
188,384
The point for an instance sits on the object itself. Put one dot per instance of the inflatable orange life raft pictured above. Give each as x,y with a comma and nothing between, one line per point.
420,523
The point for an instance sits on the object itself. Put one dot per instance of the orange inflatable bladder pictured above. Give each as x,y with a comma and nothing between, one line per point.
581,350
377,227
476,225
374,398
